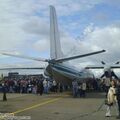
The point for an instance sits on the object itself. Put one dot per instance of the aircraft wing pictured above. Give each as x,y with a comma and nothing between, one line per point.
115,66
27,68
78,56
94,67
25,57
101,67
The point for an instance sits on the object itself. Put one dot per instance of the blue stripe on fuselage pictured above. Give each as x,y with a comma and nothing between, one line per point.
65,69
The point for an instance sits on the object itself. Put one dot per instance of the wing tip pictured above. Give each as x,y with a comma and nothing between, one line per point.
103,50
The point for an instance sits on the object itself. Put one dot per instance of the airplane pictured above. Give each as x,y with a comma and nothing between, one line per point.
108,69
57,68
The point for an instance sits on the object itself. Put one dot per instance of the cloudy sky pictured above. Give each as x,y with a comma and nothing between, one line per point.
85,26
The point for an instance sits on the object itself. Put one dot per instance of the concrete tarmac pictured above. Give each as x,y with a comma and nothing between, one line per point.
56,106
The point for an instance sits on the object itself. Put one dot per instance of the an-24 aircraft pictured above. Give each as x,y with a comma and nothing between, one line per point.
57,67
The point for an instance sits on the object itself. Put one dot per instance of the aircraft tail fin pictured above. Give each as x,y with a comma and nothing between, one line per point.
55,45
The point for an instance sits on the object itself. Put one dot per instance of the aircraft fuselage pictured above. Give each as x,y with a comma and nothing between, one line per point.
65,74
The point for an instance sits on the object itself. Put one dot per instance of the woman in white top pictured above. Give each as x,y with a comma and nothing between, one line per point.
111,98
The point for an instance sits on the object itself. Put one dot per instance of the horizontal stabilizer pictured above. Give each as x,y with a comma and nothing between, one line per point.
78,56
25,57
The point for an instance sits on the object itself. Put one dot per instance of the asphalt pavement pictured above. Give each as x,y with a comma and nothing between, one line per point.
56,106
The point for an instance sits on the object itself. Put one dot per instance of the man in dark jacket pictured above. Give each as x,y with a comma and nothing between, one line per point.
118,98
4,90
40,88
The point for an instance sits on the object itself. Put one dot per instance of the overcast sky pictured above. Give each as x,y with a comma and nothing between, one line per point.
85,26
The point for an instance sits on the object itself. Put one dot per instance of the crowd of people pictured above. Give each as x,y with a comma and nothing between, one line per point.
36,85
79,89
40,84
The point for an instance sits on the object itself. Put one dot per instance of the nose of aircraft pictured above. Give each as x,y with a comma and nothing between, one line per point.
107,68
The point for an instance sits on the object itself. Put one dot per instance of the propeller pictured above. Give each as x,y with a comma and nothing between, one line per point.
106,74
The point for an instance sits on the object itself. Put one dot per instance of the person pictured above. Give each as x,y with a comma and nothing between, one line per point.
111,98
40,88
4,89
75,88
118,98
107,84
45,85
80,89
54,86
60,87
84,89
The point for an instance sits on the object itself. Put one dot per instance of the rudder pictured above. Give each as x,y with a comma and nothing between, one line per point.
55,45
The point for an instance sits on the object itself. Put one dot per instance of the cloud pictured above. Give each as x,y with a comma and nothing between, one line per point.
24,27
36,26
105,37
97,39
112,3
20,18
42,45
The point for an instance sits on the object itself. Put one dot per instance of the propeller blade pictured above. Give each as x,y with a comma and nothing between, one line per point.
103,62
113,74
102,75
117,62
